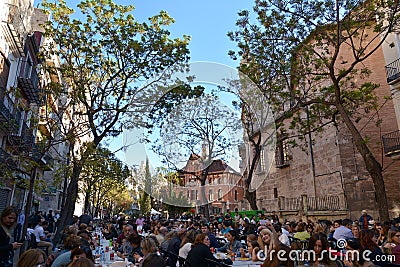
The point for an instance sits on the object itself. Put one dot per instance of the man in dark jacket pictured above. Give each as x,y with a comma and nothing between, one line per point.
213,240
173,247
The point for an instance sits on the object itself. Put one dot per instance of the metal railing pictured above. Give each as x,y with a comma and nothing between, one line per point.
393,71
306,203
6,158
334,202
294,203
391,143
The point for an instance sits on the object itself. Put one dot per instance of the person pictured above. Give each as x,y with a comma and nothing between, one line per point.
363,221
253,247
125,247
187,242
213,240
355,229
150,256
110,232
173,247
301,232
273,248
136,252
275,217
8,219
392,246
20,224
83,262
318,243
85,218
233,245
344,231
42,239
71,242
32,258
81,252
351,245
200,254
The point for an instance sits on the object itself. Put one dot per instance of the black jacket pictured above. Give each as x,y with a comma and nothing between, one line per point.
6,248
173,249
198,256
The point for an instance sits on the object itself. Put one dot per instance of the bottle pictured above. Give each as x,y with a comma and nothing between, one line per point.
102,257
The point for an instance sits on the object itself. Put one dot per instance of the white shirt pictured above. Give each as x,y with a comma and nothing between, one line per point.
184,251
39,231
284,239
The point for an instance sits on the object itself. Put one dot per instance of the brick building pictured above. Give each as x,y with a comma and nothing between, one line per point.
224,186
329,179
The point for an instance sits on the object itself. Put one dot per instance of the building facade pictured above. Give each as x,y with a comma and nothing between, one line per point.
223,188
327,178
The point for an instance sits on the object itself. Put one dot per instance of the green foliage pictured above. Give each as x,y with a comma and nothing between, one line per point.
145,203
103,181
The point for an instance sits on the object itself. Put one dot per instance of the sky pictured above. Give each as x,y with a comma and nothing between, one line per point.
207,22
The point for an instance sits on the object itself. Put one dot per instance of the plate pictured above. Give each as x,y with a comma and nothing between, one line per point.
220,256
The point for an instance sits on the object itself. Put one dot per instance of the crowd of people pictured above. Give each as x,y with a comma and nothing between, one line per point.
195,241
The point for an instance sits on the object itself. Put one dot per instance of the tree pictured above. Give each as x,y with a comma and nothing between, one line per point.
202,128
295,54
103,180
105,59
145,200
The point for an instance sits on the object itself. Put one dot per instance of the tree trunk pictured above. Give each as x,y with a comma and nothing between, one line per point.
374,168
69,208
251,196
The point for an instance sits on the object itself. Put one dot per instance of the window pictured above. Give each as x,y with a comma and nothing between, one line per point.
261,164
219,194
282,154
236,195
197,194
192,195
210,195
4,71
275,192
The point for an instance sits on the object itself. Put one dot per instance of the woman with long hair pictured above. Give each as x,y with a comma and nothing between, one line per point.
369,241
392,246
233,245
200,254
318,243
274,249
186,244
150,256
8,219
32,258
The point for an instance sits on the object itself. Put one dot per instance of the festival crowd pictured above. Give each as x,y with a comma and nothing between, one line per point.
195,241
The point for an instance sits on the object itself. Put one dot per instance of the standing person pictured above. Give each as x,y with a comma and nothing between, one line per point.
364,220
7,220
50,219
140,222
85,218
20,224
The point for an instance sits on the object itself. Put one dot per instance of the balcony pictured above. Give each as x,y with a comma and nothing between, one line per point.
393,72
391,144
26,139
6,158
9,119
28,81
42,157
326,205
13,29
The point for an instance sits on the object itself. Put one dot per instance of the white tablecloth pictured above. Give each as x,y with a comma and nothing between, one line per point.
247,263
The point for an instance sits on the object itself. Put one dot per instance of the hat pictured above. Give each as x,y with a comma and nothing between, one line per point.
363,211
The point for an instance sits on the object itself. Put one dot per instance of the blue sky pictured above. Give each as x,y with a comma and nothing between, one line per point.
207,22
